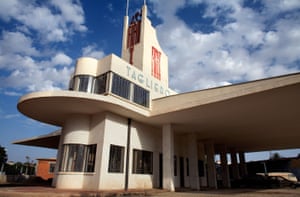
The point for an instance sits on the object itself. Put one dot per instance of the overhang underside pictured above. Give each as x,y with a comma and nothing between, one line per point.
267,120
256,121
50,140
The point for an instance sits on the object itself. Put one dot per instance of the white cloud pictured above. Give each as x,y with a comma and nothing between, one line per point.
92,51
29,69
10,116
12,93
241,49
16,42
61,59
29,60
50,26
275,7
71,11
38,79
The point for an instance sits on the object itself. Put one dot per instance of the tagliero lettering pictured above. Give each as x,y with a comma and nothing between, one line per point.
146,82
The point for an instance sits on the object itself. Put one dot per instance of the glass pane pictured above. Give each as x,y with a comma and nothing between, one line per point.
85,83
51,167
142,162
71,84
121,86
79,158
116,159
100,84
141,96
91,158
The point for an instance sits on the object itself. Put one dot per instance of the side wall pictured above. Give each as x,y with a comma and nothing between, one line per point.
108,129
81,129
143,137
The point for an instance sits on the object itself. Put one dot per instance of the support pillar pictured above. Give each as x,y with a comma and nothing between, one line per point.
211,168
235,166
201,157
168,155
225,168
243,165
193,161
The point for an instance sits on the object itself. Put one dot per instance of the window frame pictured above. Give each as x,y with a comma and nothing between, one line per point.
117,82
75,158
116,159
52,167
142,162
103,86
175,165
141,96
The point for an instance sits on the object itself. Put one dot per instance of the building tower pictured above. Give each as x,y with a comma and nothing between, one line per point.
140,46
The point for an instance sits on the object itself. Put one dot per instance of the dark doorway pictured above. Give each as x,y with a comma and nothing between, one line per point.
160,171
181,171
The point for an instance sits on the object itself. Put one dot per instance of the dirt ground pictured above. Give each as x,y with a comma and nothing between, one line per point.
285,192
40,191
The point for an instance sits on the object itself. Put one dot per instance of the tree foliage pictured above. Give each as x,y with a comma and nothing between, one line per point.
3,155
275,156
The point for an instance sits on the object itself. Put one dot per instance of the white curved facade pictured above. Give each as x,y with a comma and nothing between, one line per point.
123,128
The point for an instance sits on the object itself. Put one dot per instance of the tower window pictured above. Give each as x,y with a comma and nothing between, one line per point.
100,84
85,83
121,86
141,96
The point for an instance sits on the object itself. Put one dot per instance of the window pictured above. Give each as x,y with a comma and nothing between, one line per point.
175,165
142,162
116,159
141,96
78,158
90,158
201,168
187,167
71,84
85,83
100,84
51,167
121,86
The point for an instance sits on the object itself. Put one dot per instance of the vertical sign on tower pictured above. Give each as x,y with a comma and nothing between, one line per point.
155,63
134,32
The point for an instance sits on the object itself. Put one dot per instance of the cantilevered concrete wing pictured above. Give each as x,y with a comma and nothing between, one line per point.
50,140
253,116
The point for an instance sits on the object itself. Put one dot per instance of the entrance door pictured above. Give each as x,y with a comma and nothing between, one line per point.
181,171
160,171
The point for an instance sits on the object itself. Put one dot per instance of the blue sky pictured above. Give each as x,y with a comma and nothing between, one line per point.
209,43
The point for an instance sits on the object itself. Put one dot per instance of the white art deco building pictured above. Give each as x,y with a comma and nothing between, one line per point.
122,127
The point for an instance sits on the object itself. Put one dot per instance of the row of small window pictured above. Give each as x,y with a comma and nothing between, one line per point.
142,160
81,158
119,86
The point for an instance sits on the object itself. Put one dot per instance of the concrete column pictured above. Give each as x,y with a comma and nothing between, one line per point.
193,161
168,156
235,166
211,168
243,165
225,169
201,157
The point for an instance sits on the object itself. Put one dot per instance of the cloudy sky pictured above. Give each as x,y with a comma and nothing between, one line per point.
209,43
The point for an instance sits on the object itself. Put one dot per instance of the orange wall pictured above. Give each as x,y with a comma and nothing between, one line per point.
43,168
